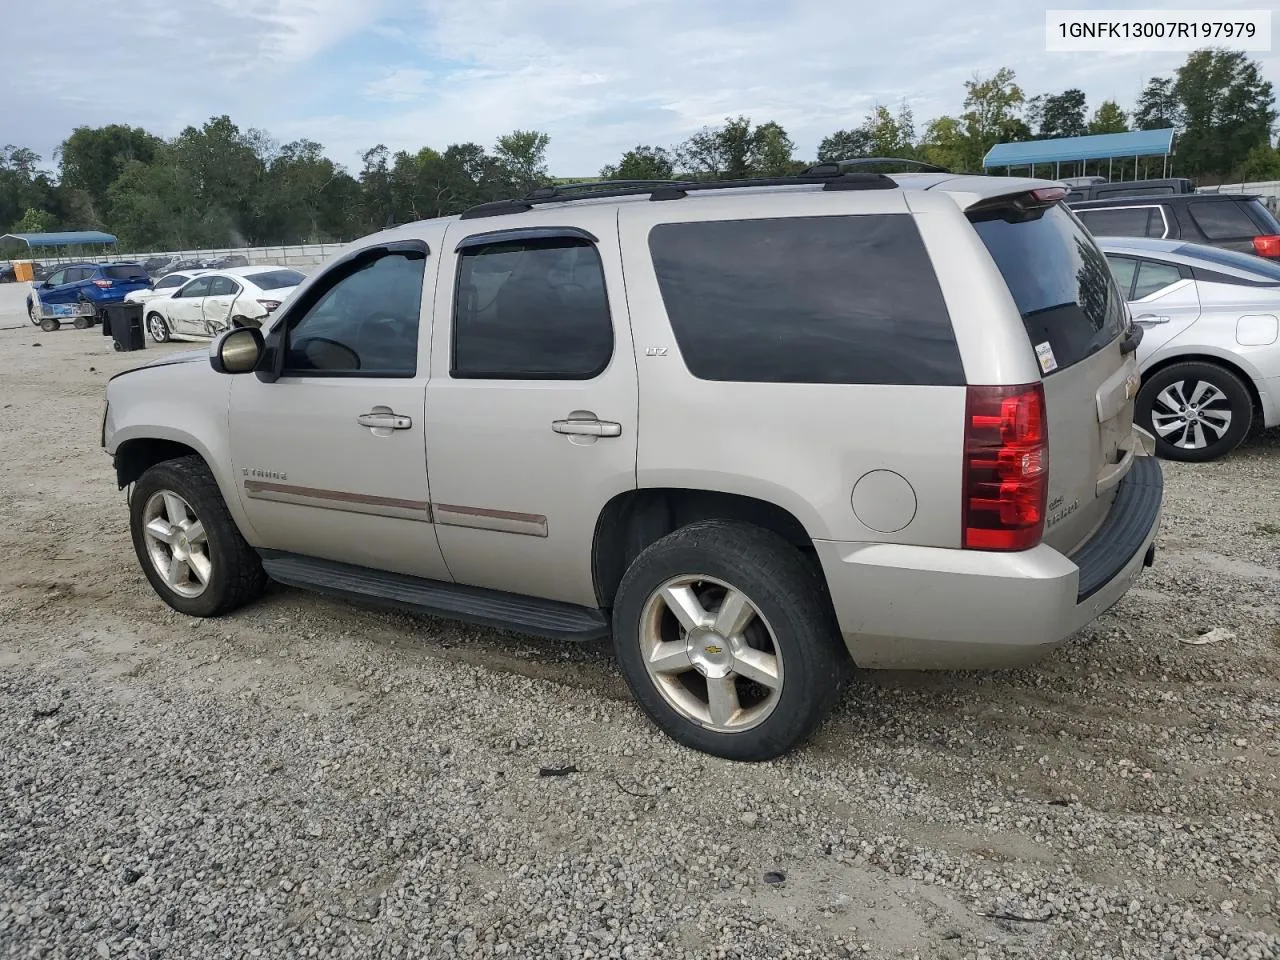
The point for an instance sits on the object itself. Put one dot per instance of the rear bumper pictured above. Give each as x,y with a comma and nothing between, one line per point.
909,607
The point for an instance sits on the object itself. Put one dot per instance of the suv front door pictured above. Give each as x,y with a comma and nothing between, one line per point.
329,447
532,405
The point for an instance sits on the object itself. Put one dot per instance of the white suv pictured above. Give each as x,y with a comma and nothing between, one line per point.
754,430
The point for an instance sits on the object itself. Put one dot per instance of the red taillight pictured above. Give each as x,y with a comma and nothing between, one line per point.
1049,194
1267,246
1006,467
269,305
102,283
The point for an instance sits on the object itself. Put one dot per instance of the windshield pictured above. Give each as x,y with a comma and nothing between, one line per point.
1061,283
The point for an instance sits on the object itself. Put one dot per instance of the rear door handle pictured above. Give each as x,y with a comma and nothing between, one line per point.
587,428
385,421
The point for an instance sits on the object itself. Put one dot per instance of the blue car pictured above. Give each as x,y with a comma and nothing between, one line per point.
92,284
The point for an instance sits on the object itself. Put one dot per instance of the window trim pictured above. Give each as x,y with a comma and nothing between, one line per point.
272,367
515,236
1131,206
524,233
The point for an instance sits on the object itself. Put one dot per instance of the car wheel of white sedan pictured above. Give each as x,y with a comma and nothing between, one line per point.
157,327
1196,411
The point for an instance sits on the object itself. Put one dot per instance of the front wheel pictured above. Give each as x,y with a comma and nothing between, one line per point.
157,327
49,324
187,542
32,313
1196,411
727,639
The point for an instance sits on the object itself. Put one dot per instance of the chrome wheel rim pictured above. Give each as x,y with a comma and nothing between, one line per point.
1191,414
176,543
157,328
711,654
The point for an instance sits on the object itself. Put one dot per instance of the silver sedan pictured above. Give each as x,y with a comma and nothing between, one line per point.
1210,351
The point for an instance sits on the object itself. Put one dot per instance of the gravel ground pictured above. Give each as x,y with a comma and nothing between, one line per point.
311,779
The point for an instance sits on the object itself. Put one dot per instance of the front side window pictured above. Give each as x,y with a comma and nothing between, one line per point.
837,299
365,323
532,309
57,277
1153,276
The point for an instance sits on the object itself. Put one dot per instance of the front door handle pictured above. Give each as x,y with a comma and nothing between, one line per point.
384,421
1150,318
587,428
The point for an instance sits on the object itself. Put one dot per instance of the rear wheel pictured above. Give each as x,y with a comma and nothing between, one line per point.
727,639
31,312
1196,411
187,543
82,323
157,327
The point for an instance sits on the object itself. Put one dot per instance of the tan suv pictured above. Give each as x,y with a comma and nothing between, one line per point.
754,430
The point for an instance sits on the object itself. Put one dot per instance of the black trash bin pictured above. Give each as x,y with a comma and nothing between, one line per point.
124,322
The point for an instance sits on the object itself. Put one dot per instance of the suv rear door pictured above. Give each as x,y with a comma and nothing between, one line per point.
1075,320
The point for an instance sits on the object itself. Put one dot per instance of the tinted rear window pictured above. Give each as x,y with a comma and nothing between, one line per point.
1059,280
1223,219
274,279
126,272
1123,222
841,299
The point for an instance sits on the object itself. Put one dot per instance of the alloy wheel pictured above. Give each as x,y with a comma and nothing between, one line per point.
710,653
1191,414
176,543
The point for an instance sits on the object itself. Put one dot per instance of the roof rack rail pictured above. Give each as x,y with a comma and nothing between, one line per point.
830,177
839,165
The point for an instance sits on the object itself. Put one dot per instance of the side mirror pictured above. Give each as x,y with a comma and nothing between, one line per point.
236,351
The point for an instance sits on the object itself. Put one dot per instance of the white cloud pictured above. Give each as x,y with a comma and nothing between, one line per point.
401,85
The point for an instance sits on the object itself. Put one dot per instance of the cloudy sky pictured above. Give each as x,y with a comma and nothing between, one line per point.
598,75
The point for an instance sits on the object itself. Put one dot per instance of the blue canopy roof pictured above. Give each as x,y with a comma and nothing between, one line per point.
1101,146
69,238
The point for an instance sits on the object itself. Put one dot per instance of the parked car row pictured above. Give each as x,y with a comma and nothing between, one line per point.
161,266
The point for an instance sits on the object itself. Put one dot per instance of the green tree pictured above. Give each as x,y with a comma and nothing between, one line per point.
1227,111
992,112
845,145
1108,118
737,150
947,145
91,160
1058,114
522,159
1158,106
23,186
1261,163
33,221
641,163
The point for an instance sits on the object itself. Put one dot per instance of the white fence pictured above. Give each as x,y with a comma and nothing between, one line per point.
291,255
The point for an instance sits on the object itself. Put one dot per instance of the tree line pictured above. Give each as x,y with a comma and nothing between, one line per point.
218,185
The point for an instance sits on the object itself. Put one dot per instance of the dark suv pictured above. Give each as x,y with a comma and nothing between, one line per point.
1230,220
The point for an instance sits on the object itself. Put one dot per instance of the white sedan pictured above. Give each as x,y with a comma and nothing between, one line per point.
163,287
217,300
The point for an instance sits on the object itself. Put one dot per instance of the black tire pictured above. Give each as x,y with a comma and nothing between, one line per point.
31,312
791,597
157,324
82,323
237,577
1183,378
49,324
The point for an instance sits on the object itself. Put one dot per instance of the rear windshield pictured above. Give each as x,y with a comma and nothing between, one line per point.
1061,283
1264,216
126,271
1263,269
274,279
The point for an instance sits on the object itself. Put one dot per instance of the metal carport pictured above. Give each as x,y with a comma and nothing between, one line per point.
1101,146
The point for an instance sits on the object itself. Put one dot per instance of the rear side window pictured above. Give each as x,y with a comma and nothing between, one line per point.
841,299
1154,276
125,273
1263,270
1264,217
1123,222
1059,280
1223,220
1123,269
533,309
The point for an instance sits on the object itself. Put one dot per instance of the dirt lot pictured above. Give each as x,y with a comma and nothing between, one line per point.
307,778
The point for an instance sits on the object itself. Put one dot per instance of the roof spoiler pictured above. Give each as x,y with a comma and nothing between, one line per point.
1017,207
